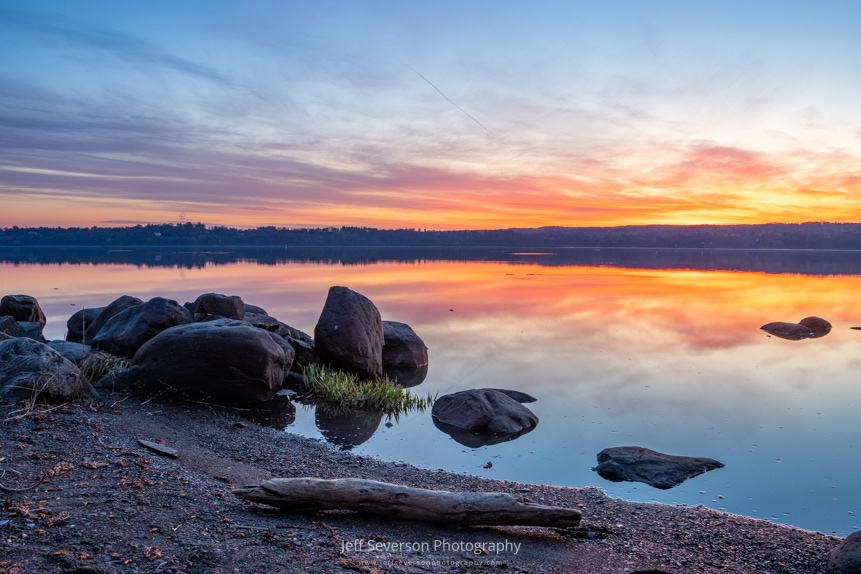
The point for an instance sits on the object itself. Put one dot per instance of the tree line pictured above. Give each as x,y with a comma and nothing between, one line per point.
813,235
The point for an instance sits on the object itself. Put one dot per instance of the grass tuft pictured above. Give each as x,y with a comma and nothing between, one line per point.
97,364
345,391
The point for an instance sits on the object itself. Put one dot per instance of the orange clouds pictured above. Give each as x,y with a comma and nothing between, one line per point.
700,184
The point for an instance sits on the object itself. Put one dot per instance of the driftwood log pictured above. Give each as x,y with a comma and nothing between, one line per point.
396,501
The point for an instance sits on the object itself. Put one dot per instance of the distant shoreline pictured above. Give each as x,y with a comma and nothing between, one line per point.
789,236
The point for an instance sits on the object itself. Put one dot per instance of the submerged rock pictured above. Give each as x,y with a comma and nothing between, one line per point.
638,464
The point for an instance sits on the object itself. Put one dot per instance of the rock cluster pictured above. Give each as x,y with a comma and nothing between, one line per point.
807,328
217,348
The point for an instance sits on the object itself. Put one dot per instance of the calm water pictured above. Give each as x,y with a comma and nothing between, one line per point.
657,356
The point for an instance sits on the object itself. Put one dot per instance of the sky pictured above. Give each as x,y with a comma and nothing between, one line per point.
452,114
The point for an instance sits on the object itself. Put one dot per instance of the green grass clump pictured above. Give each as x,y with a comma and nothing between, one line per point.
97,364
345,391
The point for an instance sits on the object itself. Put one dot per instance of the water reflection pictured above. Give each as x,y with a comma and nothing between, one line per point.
347,429
627,353
278,413
478,438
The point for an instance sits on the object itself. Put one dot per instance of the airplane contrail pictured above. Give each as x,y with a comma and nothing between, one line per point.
463,111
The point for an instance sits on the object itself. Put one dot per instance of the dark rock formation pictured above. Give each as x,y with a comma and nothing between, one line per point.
223,361
819,326
255,309
638,464
405,355
30,370
22,308
227,306
79,323
74,352
349,333
482,416
846,557
789,331
116,306
124,333
289,353
13,328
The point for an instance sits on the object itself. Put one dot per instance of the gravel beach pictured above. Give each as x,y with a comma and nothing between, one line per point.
81,494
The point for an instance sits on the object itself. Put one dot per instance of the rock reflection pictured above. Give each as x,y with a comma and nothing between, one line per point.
278,413
347,429
477,438
406,378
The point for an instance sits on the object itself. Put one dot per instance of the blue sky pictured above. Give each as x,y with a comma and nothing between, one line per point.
432,115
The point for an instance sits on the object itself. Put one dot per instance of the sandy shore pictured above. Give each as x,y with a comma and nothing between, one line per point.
102,503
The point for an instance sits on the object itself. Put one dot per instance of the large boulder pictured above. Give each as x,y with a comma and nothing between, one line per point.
79,323
116,306
227,306
126,331
846,557
22,308
638,464
405,355
349,333
32,370
222,361
480,417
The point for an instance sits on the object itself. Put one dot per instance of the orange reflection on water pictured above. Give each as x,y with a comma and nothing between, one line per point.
698,309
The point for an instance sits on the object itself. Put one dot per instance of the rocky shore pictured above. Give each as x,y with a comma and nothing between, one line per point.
82,494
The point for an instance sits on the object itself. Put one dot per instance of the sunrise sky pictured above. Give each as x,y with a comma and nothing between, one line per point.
441,115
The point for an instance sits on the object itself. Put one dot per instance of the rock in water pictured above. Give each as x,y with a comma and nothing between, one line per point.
349,334
405,355
638,464
222,361
789,331
819,326
846,558
31,369
479,417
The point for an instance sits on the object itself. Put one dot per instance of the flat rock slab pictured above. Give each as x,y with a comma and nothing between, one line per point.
161,449
638,464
